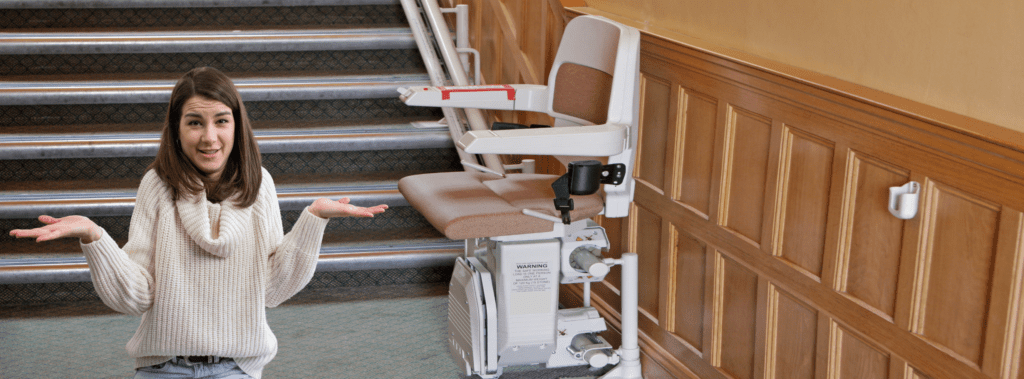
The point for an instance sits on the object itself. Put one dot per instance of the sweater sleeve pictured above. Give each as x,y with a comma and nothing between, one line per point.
293,257
123,277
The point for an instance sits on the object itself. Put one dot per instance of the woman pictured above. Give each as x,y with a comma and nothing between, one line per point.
206,251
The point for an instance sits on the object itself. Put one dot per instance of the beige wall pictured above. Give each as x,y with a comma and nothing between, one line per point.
963,56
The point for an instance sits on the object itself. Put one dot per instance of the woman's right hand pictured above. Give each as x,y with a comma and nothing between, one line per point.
64,227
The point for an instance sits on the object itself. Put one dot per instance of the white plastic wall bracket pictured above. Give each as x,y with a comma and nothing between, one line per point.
903,200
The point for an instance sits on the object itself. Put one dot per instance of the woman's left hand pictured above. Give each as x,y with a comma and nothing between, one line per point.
327,208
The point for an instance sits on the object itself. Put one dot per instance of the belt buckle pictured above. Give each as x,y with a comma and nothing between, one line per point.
193,360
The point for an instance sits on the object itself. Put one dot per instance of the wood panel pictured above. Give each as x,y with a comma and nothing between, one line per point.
855,359
746,170
691,261
647,244
958,248
804,186
871,238
654,111
737,296
792,337
697,119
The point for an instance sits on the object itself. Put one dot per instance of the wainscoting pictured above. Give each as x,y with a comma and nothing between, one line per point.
761,218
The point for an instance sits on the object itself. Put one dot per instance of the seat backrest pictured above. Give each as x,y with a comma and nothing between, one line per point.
595,79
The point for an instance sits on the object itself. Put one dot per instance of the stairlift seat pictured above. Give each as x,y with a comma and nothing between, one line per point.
475,205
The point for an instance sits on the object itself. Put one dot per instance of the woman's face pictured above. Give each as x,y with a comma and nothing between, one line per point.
207,133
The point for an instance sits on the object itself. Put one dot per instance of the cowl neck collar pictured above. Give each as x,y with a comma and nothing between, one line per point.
216,228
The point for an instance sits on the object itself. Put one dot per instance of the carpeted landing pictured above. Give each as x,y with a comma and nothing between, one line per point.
391,331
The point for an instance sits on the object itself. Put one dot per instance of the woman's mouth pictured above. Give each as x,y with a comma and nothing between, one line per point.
209,153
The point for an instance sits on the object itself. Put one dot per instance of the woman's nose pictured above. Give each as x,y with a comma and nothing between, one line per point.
209,133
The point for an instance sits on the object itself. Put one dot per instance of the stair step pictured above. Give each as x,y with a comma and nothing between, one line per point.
96,173
61,118
145,42
411,135
13,66
98,4
267,88
121,202
37,14
437,252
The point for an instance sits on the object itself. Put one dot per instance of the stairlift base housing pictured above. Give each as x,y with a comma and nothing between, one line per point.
504,302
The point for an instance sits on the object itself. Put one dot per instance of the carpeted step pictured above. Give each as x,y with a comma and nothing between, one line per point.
22,14
131,89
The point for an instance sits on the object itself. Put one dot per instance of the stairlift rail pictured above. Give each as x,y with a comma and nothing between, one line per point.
435,25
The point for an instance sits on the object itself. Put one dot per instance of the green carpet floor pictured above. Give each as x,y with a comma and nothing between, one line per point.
359,332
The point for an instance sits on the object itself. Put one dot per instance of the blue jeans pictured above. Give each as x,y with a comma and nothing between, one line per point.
179,368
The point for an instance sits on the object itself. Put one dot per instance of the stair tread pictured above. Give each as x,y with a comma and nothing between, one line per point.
287,184
166,81
183,3
208,40
68,251
156,88
209,31
272,137
151,132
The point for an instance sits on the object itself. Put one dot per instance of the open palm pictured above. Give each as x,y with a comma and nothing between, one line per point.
64,227
327,208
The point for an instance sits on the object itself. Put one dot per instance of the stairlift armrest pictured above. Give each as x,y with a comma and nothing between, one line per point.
591,141
509,97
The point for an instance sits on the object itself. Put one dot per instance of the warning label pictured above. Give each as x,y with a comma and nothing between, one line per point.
532,277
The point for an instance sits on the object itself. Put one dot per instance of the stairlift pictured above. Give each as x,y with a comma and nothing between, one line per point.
528,233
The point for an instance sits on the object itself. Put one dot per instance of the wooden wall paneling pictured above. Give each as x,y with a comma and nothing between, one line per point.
802,204
745,174
689,288
532,30
697,120
1005,324
954,270
870,238
852,358
491,38
645,237
655,105
791,337
667,273
738,320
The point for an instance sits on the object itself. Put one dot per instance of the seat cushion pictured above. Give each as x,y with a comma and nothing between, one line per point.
474,205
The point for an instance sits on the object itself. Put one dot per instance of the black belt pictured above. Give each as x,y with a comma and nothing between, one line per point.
200,358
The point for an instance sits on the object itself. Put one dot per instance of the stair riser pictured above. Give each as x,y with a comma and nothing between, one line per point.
113,4
148,148
58,44
156,113
177,15
343,163
401,60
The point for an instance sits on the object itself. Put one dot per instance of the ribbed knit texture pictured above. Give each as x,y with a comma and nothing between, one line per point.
201,274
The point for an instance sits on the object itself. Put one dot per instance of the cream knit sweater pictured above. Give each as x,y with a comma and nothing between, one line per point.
201,274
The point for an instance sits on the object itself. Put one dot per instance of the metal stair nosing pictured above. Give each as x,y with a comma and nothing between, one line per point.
400,136
332,258
122,203
235,41
251,89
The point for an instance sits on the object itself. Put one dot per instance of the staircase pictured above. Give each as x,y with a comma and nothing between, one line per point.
83,91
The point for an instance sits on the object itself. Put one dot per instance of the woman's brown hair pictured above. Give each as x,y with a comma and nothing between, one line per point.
242,174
